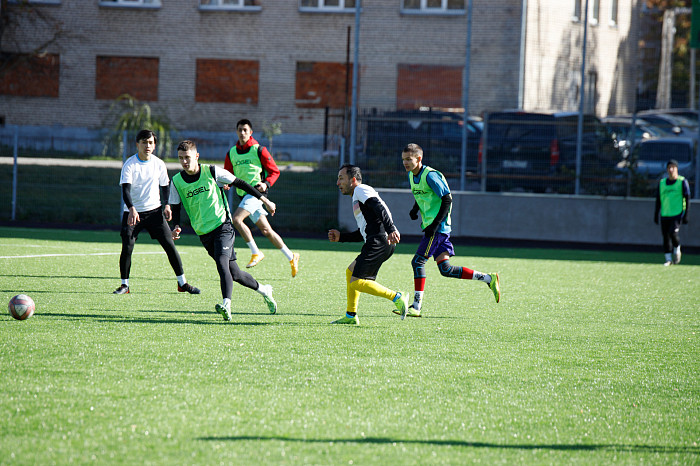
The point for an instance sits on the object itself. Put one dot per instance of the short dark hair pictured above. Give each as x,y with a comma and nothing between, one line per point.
673,162
244,121
146,134
353,171
413,149
186,145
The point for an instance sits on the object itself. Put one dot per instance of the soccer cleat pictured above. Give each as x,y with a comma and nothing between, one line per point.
123,289
224,311
255,260
295,264
495,287
401,304
666,264
410,312
347,320
677,257
269,300
188,288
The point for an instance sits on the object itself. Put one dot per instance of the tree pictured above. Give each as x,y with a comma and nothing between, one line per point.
22,15
128,114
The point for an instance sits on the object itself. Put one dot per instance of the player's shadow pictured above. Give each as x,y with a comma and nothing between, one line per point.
149,320
464,443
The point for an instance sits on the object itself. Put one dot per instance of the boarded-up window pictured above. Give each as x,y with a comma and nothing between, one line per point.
322,84
230,81
136,76
30,76
428,86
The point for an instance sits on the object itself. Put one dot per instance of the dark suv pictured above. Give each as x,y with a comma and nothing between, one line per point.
536,151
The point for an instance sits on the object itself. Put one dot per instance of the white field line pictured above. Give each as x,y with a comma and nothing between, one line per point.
69,255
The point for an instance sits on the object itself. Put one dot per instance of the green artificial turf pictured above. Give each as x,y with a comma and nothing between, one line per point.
590,358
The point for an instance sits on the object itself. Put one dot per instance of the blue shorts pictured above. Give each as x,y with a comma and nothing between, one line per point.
253,206
435,245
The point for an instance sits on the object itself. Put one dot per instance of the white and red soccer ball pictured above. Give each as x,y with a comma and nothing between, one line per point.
21,307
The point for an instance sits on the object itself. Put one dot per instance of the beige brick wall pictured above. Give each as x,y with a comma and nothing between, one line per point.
278,37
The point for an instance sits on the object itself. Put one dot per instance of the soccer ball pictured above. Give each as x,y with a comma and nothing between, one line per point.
21,307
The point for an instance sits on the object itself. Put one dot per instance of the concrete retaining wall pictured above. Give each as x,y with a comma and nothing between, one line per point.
597,220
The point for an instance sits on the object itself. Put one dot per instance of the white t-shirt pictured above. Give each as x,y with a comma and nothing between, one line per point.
146,178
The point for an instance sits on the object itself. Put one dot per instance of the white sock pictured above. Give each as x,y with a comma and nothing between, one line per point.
125,281
417,300
667,256
227,303
263,289
287,253
253,247
181,280
484,277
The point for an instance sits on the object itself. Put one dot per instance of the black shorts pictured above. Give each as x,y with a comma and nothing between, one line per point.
375,252
153,221
219,241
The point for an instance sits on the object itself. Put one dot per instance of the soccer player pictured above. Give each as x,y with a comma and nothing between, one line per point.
145,185
672,202
253,163
376,228
199,189
434,201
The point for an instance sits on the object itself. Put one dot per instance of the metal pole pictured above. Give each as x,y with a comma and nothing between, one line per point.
465,99
521,77
14,174
582,95
355,73
124,151
697,161
691,101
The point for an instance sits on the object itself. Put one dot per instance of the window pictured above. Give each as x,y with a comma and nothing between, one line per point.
230,5
613,12
48,2
428,86
596,12
577,10
137,76
322,84
327,5
31,75
433,6
230,81
131,3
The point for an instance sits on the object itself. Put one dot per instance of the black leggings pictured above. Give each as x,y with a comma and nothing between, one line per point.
229,272
670,229
166,243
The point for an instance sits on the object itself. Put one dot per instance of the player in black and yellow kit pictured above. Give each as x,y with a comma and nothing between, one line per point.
199,188
672,202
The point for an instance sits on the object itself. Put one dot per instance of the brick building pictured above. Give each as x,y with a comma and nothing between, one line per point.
207,63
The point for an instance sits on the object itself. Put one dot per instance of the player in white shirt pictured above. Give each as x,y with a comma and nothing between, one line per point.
376,228
145,188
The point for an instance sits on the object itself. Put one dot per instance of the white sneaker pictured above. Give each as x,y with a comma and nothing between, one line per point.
677,256
266,291
225,311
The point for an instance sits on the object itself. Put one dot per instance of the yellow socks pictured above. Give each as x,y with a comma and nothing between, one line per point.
353,294
373,288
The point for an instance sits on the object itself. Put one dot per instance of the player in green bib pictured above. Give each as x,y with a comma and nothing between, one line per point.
199,189
434,201
253,163
672,203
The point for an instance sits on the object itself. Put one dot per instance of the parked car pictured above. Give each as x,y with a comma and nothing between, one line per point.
439,133
689,113
676,124
650,156
536,151
620,126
